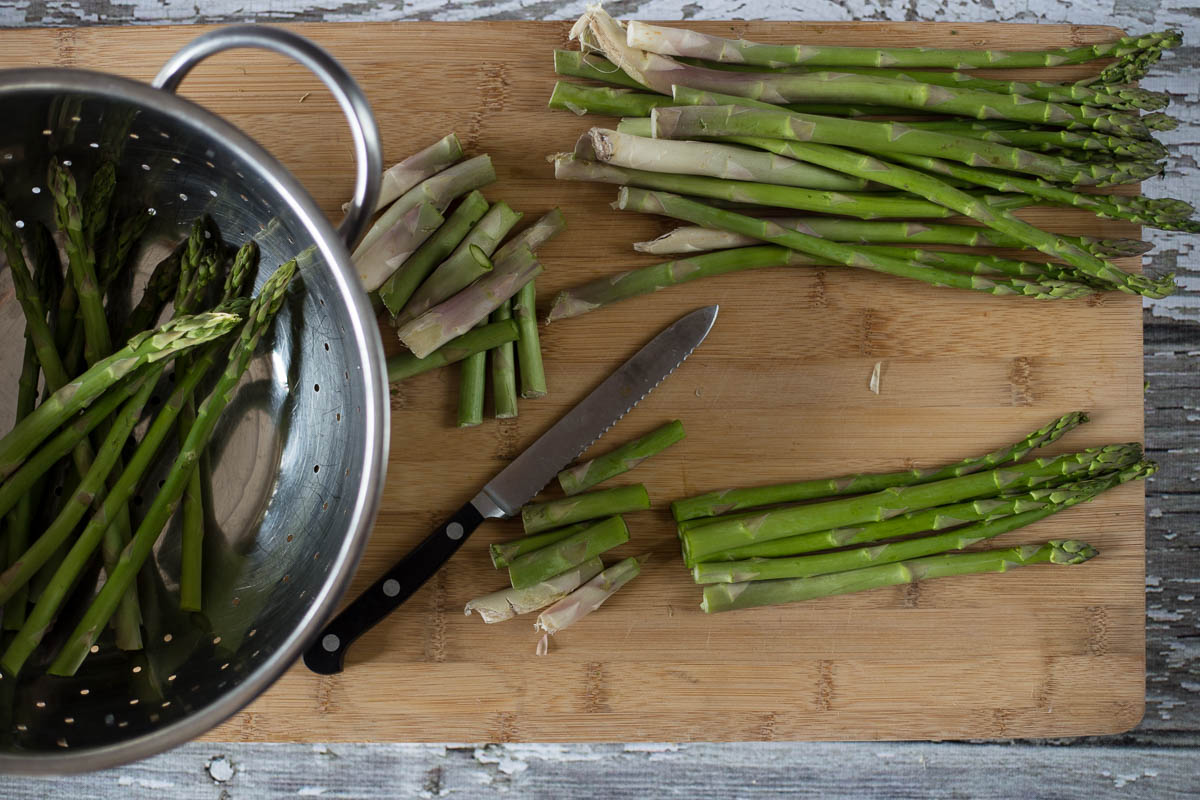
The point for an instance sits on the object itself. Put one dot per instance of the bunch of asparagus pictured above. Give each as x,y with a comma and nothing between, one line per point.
725,134
766,545
453,288
558,560
90,372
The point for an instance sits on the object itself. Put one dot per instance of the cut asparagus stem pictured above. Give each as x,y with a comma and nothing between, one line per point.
633,283
529,346
681,42
865,205
582,477
703,541
709,115
399,288
604,100
575,64
538,517
479,340
262,313
720,597
149,347
589,597
631,199
693,239
714,160
544,563
472,381
504,369
457,315
712,504
504,553
421,165
469,261
549,225
438,191
509,603
392,249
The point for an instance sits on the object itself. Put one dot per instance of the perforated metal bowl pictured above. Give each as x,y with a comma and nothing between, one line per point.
298,460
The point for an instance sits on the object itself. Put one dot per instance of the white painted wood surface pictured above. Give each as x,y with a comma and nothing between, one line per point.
1160,759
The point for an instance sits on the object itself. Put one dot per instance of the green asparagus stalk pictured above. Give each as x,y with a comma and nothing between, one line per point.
575,64
509,603
720,536
479,340
589,597
987,264
529,346
469,261
538,517
472,381
549,225
159,290
1078,142
504,553
630,199
540,565
456,316
438,191
681,42
582,477
720,597
420,166
145,348
504,369
113,260
393,248
725,501
604,100
97,200
399,288
18,523
262,313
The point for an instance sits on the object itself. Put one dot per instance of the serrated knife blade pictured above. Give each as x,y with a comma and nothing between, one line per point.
516,484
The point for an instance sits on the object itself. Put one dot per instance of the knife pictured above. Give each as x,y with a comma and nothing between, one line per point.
515,485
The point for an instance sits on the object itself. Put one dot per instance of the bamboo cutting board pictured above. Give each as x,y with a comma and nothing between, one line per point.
778,392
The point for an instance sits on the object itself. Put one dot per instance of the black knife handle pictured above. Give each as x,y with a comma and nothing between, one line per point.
327,654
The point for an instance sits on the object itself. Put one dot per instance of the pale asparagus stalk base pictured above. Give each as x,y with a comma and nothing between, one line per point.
509,603
589,597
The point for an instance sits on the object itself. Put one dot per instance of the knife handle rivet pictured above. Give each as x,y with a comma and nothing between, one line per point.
391,587
454,530
330,642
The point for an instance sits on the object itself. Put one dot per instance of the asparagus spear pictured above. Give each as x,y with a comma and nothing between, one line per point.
549,225
472,380
469,261
712,504
479,340
18,523
589,597
399,288
713,160
538,517
454,317
703,541
631,199
582,477
145,348
504,553
529,346
544,563
420,166
720,597
509,603
262,313
958,539
865,205
603,100
438,191
1079,142
681,42
575,64
390,250
160,288
504,372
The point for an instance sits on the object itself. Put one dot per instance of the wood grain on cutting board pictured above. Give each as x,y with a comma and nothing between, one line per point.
778,392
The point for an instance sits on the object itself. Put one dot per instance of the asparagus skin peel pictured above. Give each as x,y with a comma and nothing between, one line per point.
508,603
530,569
719,597
538,517
486,337
589,597
582,477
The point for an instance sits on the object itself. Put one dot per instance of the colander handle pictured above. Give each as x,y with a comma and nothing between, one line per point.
368,155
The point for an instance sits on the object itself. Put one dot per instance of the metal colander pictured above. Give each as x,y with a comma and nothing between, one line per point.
298,459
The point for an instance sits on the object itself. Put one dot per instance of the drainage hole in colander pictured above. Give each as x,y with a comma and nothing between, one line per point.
8,156
47,132
287,578
22,727
339,416
253,631
213,192
225,665
327,347
151,211
316,387
164,134
133,702
289,537
123,723
175,160
134,136
69,720
324,506
61,742
66,162
166,704
237,601
216,640
40,704
167,637
170,678
316,467
183,196
94,145
136,670
146,167
36,190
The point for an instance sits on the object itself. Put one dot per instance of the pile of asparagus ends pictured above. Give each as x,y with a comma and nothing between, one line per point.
453,287
832,156
93,371
557,563
768,545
